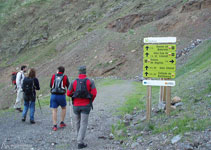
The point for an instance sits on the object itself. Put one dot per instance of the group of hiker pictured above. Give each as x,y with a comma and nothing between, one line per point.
82,90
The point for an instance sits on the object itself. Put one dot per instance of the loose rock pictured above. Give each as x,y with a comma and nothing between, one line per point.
176,139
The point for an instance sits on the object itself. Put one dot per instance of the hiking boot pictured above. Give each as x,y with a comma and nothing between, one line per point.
23,119
32,121
19,109
80,146
55,128
62,125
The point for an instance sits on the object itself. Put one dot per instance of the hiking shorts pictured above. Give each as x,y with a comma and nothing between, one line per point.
57,100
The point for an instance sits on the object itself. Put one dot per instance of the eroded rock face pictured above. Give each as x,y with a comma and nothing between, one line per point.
135,20
195,5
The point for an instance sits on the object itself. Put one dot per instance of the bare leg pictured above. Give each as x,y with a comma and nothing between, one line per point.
54,112
63,114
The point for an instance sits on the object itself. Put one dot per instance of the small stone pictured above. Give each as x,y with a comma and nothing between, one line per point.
176,99
126,122
173,107
128,117
196,144
143,119
111,136
176,139
139,140
102,137
119,132
187,134
161,106
178,104
134,145
175,128
132,51
188,147
54,143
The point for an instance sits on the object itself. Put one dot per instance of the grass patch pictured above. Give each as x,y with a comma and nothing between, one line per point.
44,101
119,131
108,82
134,100
29,2
2,112
182,125
198,61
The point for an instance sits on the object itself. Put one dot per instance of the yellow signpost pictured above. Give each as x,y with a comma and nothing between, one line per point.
159,61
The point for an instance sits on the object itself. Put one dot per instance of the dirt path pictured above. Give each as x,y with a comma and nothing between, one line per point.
24,136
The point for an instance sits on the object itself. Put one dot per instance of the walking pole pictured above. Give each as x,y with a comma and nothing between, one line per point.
39,104
71,114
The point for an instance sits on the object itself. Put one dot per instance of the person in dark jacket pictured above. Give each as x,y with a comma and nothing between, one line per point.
83,92
58,84
30,85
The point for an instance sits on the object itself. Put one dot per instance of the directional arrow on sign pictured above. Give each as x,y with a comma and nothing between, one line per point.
172,61
147,54
146,73
146,67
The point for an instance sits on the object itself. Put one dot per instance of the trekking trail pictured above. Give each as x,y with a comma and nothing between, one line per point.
19,135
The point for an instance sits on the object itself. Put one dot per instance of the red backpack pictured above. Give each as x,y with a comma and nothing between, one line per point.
13,77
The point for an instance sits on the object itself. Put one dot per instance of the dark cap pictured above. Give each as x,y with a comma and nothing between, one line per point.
82,70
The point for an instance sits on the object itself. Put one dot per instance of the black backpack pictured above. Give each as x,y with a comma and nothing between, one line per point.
57,87
81,90
28,86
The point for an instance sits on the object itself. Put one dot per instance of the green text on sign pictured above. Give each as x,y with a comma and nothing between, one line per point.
160,48
159,68
159,74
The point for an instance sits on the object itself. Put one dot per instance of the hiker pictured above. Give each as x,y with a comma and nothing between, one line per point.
83,92
19,82
58,95
30,85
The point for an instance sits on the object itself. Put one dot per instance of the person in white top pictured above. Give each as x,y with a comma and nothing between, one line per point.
19,82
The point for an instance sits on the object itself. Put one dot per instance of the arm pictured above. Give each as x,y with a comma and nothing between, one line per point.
93,90
52,80
23,85
18,80
70,90
66,82
36,84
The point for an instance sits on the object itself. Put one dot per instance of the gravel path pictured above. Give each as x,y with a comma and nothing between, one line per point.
24,136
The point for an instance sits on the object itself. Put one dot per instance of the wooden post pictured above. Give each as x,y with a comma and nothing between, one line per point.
168,100
149,93
164,93
161,93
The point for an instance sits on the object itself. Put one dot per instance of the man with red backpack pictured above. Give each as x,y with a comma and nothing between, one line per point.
58,95
19,82
83,92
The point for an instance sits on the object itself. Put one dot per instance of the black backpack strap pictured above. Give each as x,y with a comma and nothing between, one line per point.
90,103
61,81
